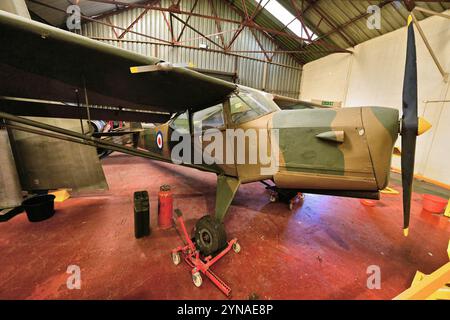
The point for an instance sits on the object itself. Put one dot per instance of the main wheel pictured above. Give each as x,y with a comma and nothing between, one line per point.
210,235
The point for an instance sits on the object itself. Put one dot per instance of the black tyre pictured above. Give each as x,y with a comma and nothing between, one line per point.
285,195
210,236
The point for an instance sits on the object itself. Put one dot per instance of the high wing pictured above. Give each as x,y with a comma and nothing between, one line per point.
42,62
44,72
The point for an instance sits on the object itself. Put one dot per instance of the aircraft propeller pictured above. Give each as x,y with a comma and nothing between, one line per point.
411,125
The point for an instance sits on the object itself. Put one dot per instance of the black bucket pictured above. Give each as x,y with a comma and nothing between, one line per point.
40,207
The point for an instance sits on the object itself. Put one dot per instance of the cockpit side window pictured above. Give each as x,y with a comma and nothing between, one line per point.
180,123
208,118
247,106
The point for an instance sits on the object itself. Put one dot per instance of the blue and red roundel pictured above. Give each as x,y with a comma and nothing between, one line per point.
159,140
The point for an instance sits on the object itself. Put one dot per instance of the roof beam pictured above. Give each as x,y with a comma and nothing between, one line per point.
353,20
260,45
187,20
100,22
331,23
113,28
120,9
229,53
139,17
249,23
244,19
172,9
197,31
218,26
299,15
259,9
427,11
409,4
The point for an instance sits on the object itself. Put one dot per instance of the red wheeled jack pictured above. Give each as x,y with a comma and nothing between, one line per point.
201,264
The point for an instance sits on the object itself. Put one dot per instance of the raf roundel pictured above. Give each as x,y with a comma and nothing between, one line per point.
159,140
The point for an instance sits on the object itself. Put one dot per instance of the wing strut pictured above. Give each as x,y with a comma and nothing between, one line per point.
35,127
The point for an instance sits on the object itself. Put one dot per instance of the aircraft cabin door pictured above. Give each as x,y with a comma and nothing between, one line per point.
212,124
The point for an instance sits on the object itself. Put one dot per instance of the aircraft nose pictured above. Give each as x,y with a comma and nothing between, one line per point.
381,127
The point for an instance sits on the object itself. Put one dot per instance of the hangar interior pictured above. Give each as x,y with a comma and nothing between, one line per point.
325,55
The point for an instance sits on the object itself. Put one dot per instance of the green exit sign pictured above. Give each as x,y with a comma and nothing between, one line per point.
328,103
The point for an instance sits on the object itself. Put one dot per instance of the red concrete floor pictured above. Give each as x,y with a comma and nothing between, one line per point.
321,250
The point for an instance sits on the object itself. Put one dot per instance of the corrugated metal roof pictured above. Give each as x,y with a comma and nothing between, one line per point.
350,18
338,23
56,18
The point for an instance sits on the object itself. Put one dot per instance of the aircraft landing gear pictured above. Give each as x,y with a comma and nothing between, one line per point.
299,197
273,197
210,236
291,197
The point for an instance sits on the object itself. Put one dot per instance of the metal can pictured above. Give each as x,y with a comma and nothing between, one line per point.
165,207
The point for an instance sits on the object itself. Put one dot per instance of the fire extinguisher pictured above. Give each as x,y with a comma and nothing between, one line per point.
165,207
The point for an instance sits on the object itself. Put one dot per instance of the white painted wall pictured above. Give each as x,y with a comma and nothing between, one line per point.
373,76
326,78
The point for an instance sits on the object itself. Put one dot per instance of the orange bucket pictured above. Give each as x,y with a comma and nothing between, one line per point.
368,203
433,203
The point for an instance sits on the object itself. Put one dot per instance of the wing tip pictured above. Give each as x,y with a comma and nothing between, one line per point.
134,69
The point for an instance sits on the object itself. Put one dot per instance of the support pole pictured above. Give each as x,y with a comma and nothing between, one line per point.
78,104
430,50
86,100
440,14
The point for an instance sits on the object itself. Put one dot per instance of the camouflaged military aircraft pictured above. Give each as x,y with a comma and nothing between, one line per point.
341,152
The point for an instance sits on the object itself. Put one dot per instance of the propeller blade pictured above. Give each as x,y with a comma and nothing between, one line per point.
409,128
